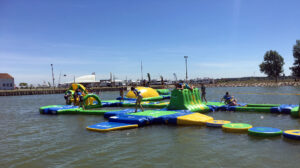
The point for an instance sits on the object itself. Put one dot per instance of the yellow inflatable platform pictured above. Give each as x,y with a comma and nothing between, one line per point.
193,119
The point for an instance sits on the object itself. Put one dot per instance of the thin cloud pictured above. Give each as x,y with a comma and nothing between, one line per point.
234,64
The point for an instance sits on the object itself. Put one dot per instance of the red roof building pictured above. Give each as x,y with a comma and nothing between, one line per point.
5,76
6,82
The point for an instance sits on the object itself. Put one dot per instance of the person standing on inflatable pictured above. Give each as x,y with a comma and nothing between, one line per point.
203,93
121,94
139,98
68,97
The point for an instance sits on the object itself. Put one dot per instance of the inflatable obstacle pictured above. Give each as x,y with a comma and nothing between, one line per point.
185,99
91,101
147,93
76,86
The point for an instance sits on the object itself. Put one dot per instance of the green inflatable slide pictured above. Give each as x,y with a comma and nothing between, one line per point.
185,99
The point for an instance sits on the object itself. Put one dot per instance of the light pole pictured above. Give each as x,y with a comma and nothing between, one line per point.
52,74
186,76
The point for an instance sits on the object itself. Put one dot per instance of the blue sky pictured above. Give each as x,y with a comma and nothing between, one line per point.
223,38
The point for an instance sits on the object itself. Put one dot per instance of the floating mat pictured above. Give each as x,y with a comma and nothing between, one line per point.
166,96
193,119
292,134
163,91
110,126
217,123
147,104
264,131
111,103
70,109
172,118
118,112
253,109
155,114
236,127
82,111
263,105
54,109
132,119
158,98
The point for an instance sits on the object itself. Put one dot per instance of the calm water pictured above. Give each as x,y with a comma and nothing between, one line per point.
29,139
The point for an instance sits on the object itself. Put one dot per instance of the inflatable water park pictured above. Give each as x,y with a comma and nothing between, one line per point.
176,107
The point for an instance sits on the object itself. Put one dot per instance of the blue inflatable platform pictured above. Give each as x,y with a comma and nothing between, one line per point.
110,126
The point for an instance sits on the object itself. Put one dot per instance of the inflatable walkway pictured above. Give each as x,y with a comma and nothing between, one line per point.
185,99
268,108
120,120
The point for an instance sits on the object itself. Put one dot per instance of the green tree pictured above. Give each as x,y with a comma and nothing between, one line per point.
272,64
296,53
23,84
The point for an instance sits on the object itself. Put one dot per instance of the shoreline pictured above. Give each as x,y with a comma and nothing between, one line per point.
42,91
254,84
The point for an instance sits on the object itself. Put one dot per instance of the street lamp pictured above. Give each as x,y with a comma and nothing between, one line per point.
186,76
52,74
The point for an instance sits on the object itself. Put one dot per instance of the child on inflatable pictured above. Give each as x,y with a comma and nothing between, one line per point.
68,97
229,100
78,97
182,85
233,102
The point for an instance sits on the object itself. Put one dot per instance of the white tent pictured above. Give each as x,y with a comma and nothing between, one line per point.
84,79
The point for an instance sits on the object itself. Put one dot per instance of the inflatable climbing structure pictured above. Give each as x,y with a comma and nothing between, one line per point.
185,99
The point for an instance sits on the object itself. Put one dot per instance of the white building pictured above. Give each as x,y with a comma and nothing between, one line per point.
6,82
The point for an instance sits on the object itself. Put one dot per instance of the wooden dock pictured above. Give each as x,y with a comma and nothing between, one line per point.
41,91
